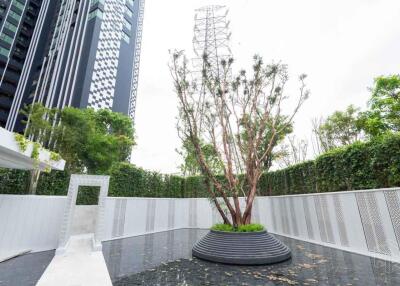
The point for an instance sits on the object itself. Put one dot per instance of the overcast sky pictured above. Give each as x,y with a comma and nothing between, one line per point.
341,45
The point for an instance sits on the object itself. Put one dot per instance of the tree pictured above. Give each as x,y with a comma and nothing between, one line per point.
88,140
241,118
293,152
339,129
190,167
384,107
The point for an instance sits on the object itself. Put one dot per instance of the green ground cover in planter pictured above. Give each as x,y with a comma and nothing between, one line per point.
253,227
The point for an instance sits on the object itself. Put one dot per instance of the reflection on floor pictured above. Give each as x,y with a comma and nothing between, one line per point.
24,270
165,259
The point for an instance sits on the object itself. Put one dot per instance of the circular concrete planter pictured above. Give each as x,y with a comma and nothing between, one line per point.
242,248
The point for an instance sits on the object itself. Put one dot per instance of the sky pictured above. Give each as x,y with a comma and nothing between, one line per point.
341,45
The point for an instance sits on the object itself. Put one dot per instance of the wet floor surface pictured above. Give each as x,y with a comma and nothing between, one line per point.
165,259
25,270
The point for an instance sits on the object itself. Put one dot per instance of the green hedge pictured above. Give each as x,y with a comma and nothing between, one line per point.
126,180
13,181
362,165
373,164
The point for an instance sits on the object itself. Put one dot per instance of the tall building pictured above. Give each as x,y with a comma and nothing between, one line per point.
79,53
17,22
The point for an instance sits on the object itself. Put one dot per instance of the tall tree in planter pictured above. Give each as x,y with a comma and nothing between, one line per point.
241,117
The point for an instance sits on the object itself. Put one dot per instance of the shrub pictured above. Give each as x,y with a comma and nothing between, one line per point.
253,227
13,181
222,227
362,165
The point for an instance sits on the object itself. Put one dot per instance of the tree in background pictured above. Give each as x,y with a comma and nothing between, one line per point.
241,118
384,107
88,140
292,152
339,129
190,167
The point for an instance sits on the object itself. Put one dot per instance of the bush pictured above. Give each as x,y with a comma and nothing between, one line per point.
362,165
253,227
222,227
88,195
54,183
13,181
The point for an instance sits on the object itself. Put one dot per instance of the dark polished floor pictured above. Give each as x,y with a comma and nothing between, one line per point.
25,270
165,259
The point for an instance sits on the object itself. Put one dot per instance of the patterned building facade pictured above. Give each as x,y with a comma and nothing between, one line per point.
81,53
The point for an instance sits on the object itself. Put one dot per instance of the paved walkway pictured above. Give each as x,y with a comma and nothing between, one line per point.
79,265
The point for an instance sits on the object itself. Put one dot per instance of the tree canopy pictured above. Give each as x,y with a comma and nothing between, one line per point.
241,117
88,140
190,166
384,107
338,129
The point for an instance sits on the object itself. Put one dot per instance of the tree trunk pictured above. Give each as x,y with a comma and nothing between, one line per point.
238,214
247,219
249,205
33,181
216,203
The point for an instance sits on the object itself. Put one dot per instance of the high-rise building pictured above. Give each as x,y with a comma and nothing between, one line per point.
17,22
78,53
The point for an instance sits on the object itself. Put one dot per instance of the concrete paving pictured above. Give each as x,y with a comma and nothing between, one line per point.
79,265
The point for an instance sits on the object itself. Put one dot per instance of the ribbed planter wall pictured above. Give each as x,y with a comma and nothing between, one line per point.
242,248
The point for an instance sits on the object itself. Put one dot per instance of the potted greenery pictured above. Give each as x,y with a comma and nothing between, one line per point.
249,244
241,119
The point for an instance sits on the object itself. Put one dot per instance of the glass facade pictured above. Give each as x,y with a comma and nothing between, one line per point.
17,21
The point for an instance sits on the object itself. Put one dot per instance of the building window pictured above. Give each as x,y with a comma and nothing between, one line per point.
127,25
10,26
14,15
126,37
95,13
18,5
4,51
128,12
94,2
130,2
6,38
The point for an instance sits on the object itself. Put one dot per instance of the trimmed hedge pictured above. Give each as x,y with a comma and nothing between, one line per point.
13,181
363,165
126,180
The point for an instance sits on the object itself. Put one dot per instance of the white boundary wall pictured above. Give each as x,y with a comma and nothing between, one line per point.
365,222
29,223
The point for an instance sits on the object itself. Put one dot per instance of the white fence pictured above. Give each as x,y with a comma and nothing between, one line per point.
366,222
29,223
135,216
